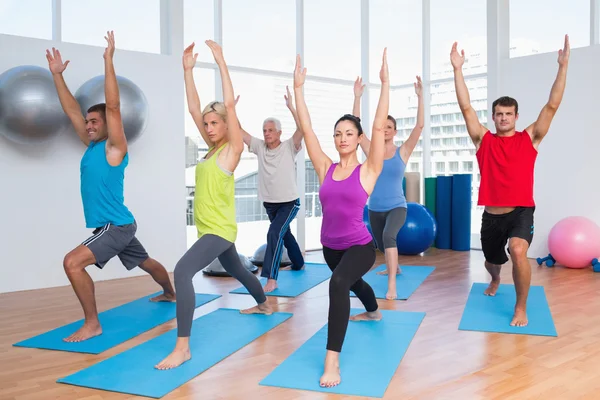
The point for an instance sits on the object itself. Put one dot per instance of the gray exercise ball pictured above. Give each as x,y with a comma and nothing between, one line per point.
259,256
134,105
216,269
30,111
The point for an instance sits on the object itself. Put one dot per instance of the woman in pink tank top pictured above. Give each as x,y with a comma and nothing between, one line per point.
348,247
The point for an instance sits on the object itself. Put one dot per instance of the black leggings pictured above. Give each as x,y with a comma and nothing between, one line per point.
348,267
202,253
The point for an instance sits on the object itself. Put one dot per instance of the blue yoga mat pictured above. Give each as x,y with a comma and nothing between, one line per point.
443,212
371,354
406,283
461,212
294,283
215,336
119,324
494,313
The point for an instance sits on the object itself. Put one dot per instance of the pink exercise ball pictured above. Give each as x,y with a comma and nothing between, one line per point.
574,242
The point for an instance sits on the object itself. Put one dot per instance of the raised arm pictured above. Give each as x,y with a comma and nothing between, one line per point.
191,93
234,131
68,102
359,88
409,145
116,145
474,127
297,137
319,159
376,155
245,135
540,127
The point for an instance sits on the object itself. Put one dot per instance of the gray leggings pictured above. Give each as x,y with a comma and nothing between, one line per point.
202,253
386,225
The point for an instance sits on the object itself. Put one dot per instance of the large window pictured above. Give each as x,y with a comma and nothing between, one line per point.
403,107
326,103
31,18
260,33
260,40
261,96
199,26
195,147
205,85
452,151
332,38
136,23
552,22
462,21
390,21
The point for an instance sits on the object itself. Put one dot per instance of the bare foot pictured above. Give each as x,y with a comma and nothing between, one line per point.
520,318
175,359
87,331
391,294
367,316
493,288
270,286
385,272
263,308
331,375
168,297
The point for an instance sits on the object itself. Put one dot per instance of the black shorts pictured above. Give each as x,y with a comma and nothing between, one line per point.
496,229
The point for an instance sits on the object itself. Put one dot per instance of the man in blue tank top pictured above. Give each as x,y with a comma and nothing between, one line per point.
102,174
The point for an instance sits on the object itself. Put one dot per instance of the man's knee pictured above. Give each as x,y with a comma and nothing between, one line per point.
74,262
148,265
518,247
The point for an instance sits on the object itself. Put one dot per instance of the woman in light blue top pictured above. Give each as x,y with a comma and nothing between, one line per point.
387,204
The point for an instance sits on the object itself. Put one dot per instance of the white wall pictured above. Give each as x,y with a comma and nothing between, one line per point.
41,215
566,182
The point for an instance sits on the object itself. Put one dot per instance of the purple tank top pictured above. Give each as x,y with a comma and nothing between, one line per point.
343,204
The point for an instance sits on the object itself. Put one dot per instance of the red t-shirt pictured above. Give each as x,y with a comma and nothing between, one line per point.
506,165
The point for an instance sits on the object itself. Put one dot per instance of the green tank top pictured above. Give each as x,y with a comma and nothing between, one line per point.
214,199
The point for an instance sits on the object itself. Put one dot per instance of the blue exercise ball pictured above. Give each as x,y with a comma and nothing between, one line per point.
418,232
134,106
30,111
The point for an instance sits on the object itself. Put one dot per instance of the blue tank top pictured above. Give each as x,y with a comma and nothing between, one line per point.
388,193
102,188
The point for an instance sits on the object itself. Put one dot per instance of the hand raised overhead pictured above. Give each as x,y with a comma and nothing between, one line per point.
288,98
217,51
564,53
110,48
299,73
55,62
358,87
189,58
456,59
418,86
384,73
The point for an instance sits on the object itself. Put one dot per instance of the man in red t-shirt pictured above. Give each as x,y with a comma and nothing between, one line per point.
506,163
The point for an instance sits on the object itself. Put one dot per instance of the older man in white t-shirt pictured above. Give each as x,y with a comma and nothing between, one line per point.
278,191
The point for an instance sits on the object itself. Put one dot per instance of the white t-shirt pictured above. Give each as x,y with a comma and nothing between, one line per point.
276,170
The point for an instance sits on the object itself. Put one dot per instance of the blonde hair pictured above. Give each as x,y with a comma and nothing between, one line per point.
216,107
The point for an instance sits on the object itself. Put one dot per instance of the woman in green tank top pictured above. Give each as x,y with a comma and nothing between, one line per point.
214,208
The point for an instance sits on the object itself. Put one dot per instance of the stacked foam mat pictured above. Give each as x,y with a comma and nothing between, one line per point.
448,198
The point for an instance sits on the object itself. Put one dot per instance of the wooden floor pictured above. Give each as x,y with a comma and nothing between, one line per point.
441,362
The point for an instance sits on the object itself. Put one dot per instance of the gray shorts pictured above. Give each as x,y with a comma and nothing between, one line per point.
385,226
113,240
